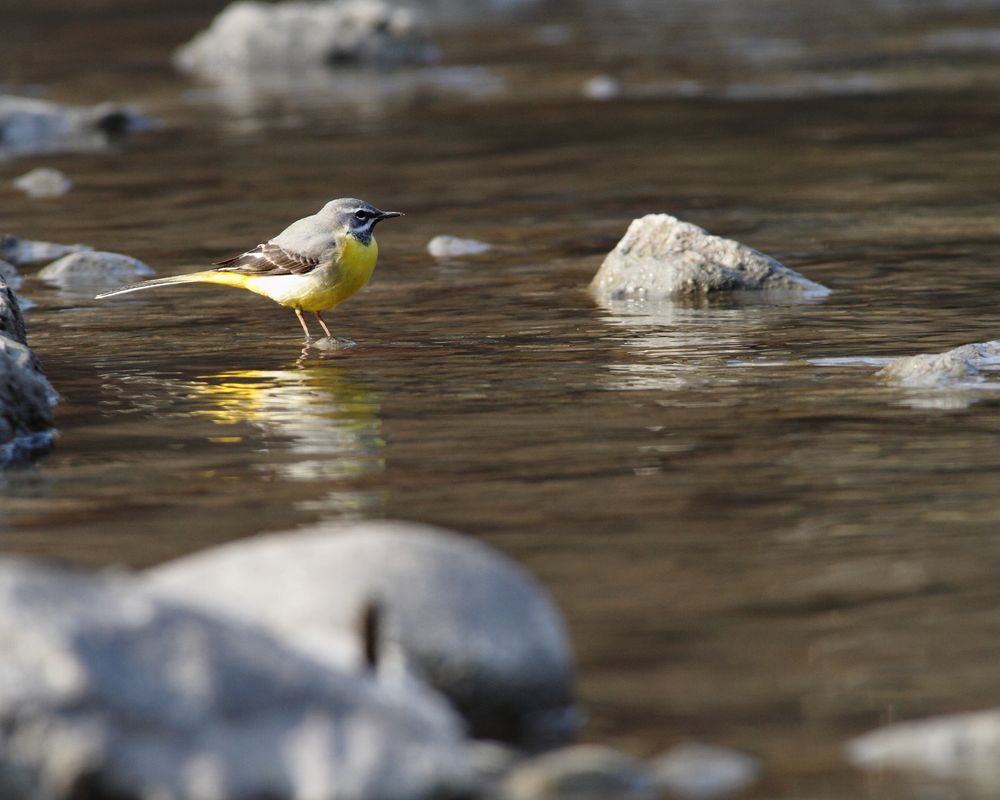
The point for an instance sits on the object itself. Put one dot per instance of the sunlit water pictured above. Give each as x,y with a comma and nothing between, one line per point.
755,542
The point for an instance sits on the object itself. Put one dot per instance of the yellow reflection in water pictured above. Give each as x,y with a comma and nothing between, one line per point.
325,422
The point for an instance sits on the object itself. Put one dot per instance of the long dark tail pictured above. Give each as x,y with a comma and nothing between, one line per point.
191,277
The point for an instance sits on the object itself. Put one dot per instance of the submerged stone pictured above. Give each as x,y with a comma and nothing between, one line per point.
458,615
43,182
109,691
583,772
970,362
453,247
254,37
660,258
29,125
93,269
21,252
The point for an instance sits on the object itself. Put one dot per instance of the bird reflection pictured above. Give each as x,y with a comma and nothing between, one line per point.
327,420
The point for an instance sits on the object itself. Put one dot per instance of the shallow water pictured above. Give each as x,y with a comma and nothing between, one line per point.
753,540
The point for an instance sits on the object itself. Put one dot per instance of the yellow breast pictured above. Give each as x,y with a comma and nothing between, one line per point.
324,287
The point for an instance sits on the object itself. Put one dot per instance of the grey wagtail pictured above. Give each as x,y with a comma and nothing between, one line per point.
314,264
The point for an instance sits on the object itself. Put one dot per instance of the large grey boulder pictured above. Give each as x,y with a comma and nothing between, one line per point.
970,363
660,258
30,125
21,252
962,747
291,36
458,614
94,269
109,691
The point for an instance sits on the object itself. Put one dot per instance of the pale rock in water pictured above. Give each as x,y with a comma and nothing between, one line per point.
109,691
21,252
458,615
960,747
30,125
43,182
660,258
602,87
968,363
94,269
287,37
454,247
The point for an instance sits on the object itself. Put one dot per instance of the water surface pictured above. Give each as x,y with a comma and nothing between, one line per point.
754,541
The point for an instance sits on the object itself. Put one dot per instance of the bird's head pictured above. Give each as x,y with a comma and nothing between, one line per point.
355,217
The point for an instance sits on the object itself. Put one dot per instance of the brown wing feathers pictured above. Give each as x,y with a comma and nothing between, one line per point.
268,259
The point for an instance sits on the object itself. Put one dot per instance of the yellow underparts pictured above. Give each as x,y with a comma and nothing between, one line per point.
324,287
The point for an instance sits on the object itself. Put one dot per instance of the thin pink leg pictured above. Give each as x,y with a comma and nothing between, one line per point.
302,322
323,324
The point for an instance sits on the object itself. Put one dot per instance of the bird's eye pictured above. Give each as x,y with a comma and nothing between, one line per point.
361,215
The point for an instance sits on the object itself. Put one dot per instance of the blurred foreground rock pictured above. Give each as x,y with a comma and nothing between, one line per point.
969,363
29,125
454,247
43,182
959,747
26,396
21,252
94,269
109,691
458,615
661,257
251,36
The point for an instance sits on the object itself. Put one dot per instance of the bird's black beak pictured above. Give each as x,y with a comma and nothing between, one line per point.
387,214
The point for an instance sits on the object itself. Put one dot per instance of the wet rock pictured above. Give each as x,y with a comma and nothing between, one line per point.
969,363
453,247
94,269
10,276
959,746
458,614
26,398
661,257
43,182
29,125
583,772
11,320
21,252
702,772
108,691
291,36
